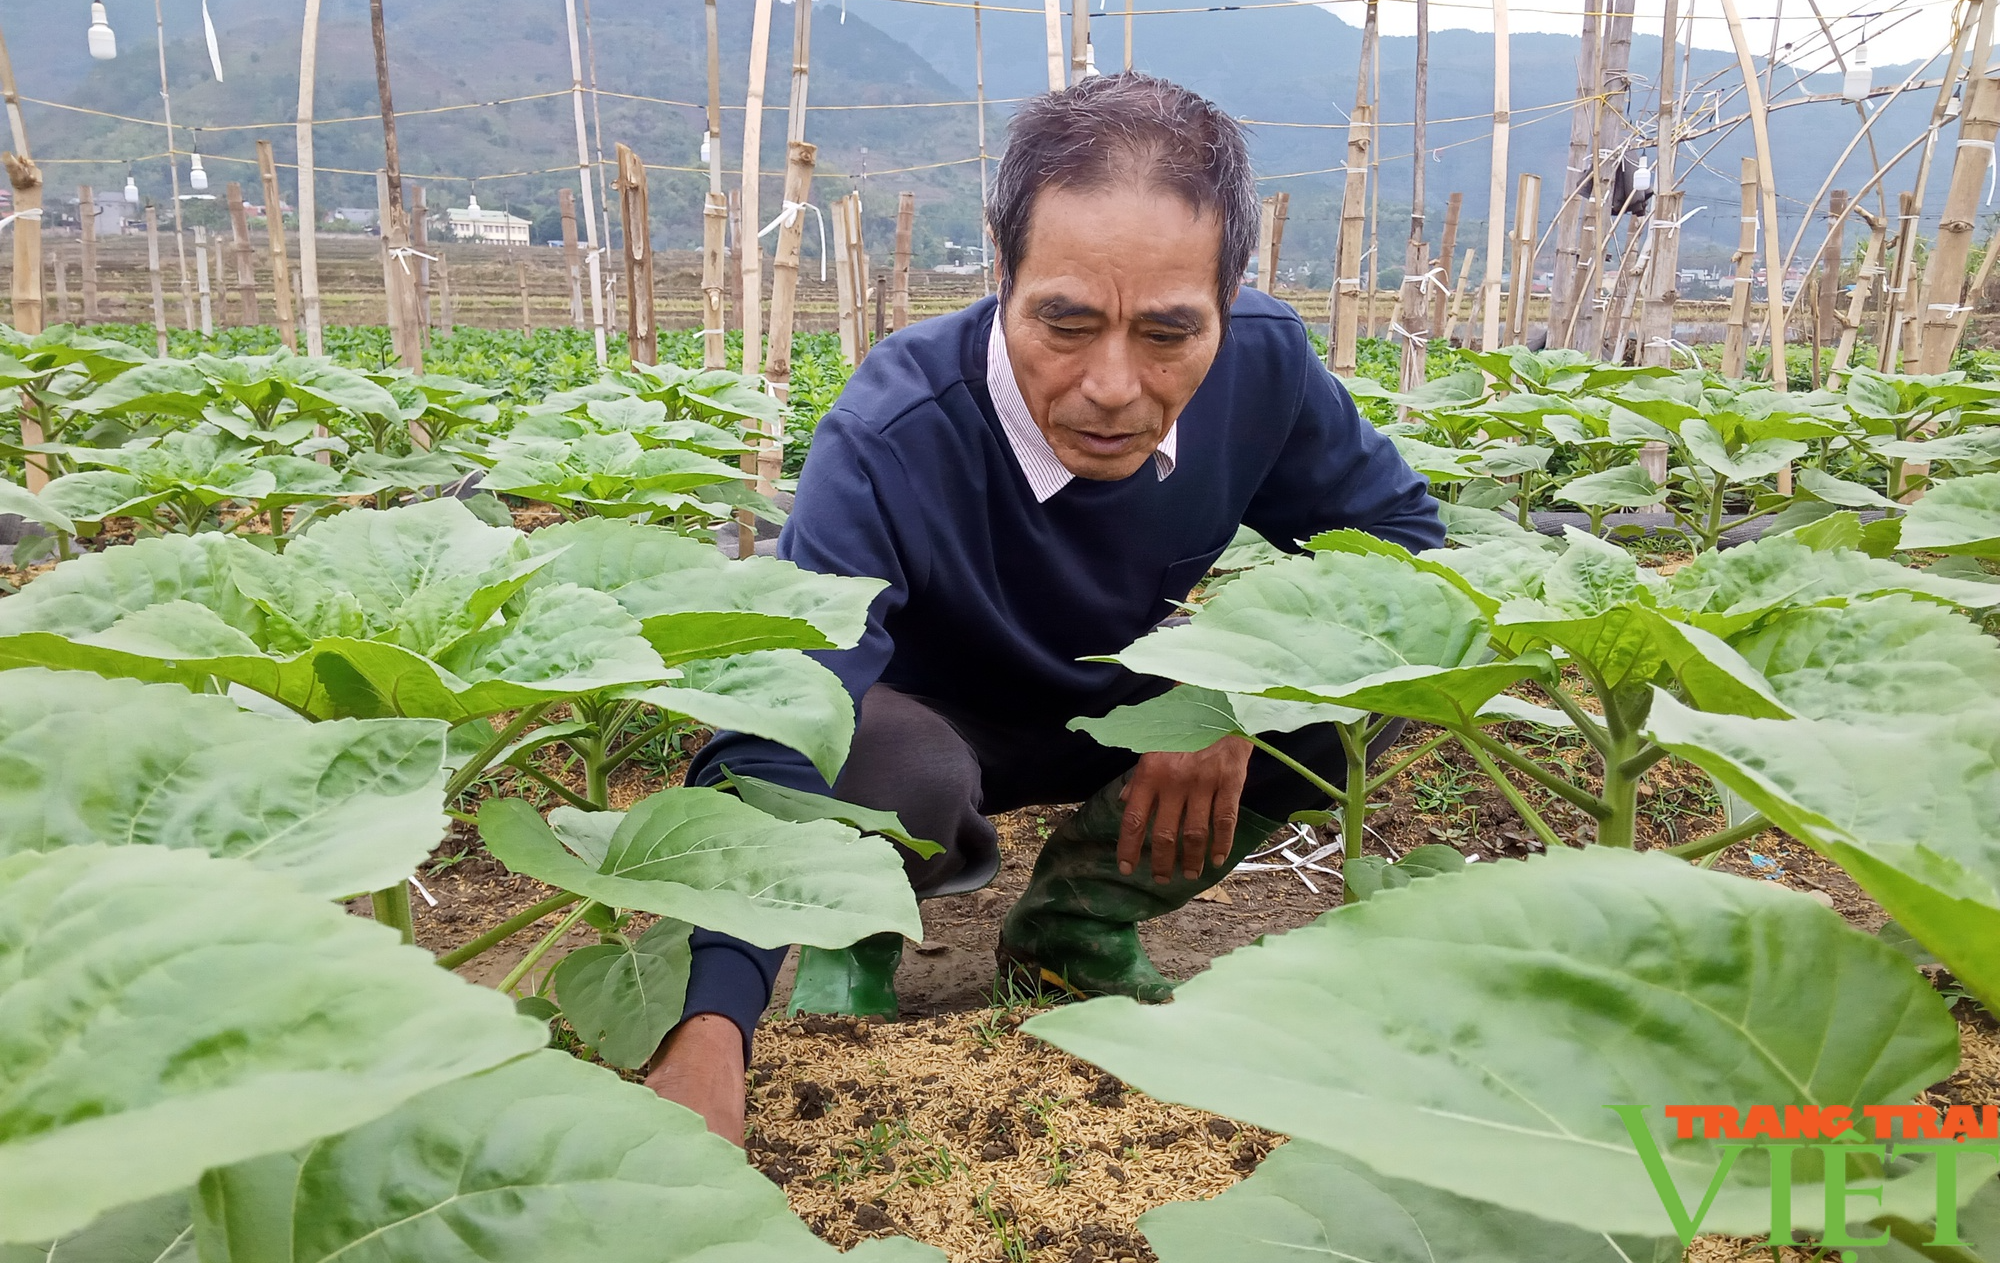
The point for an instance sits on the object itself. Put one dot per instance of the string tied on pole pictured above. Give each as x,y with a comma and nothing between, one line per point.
784,218
1993,162
1674,225
1674,344
401,254
1433,279
33,214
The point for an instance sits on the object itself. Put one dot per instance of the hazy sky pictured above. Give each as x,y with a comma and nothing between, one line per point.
1897,32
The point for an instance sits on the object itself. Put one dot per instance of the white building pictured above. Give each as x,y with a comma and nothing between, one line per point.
495,227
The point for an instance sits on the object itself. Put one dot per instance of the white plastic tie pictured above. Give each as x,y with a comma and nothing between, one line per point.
429,898
1401,332
705,332
1987,145
1674,225
1433,279
1674,344
34,214
784,218
401,254
1950,309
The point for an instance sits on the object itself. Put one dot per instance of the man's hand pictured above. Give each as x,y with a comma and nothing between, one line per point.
700,1065
1189,797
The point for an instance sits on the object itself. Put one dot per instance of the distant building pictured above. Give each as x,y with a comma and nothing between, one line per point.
494,227
115,215
359,216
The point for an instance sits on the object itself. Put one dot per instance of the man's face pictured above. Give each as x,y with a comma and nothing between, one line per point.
1113,321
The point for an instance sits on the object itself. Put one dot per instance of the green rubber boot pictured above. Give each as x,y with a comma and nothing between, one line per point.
856,981
1076,925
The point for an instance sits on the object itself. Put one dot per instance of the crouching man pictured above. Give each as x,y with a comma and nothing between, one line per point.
1039,480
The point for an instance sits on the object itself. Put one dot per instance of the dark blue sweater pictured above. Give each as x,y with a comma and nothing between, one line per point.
993,598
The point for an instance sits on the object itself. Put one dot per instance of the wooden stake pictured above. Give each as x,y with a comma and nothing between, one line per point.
1344,342
159,294
1864,281
735,252
274,225
642,337
309,303
527,315
714,222
1826,321
1586,321
201,276
1128,34
1890,339
1567,282
1736,340
899,295
1944,293
979,88
62,283
1441,295
572,256
1458,289
800,158
1079,40
592,261
1656,318
420,241
1271,239
1372,252
444,294
1774,268
1527,223
880,290
26,178
852,344
86,206
1412,309
403,328
753,138
1496,201
246,256
1052,35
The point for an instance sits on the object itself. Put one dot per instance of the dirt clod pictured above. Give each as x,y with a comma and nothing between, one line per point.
810,1100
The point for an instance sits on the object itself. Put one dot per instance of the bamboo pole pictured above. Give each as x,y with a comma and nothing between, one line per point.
1458,289
1441,293
201,276
1271,216
1607,140
1079,40
1865,277
86,213
61,263
444,294
572,255
1371,254
173,169
753,139
1570,215
246,256
1774,274
852,344
1496,203
714,211
1889,341
1052,36
1656,317
309,301
1343,343
1826,321
420,241
1413,310
979,88
404,332
153,268
1736,340
26,179
1128,34
592,260
899,292
1977,285
521,280
642,337
274,225
1527,224
1901,340
1943,292
800,157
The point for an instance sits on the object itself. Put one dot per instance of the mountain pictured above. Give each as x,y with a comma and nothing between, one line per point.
1273,66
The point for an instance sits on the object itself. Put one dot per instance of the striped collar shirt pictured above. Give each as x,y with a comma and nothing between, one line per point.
1044,470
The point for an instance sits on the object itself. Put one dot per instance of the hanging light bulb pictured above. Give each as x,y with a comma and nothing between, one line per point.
1089,59
1854,85
131,188
103,40
197,178
1642,178
705,149
1957,102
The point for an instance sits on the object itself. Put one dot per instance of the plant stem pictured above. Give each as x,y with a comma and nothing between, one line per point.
1581,798
1313,778
632,747
1709,844
473,948
1354,812
1586,723
1648,755
559,789
476,766
541,949
392,908
1395,769
1514,799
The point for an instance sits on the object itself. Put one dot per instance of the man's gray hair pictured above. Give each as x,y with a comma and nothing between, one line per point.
1113,128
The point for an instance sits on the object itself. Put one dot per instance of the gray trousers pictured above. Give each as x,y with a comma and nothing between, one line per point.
943,770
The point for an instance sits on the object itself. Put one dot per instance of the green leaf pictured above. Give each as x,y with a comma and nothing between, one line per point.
1757,459
1306,1201
781,802
1725,592
623,996
1312,623
1978,1227
23,503
1891,656
779,694
1623,487
1840,491
1469,1034
702,856
1961,515
169,1012
1463,525
1369,875
1181,720
335,807
543,1158
1910,809
155,1231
